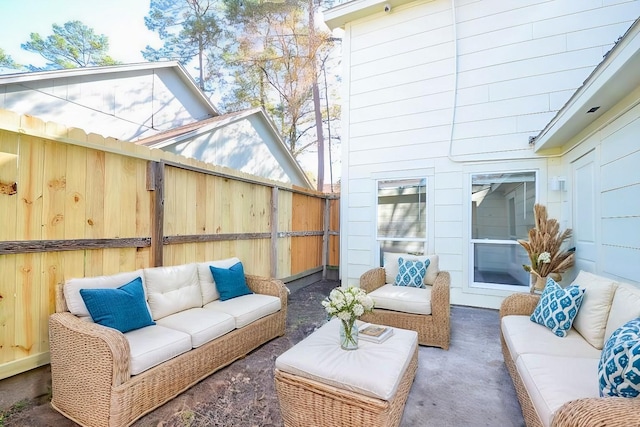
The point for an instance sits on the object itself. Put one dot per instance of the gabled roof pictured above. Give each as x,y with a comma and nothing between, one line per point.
178,134
87,71
202,127
617,75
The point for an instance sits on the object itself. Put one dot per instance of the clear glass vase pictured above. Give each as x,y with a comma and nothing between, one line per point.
349,334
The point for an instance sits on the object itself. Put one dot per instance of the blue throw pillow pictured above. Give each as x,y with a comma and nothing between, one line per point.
619,367
411,272
558,307
230,282
123,308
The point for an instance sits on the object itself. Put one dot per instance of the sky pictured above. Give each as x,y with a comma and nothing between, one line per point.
122,21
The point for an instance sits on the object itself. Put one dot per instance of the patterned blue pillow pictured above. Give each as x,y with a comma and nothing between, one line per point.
411,272
619,367
558,307
123,308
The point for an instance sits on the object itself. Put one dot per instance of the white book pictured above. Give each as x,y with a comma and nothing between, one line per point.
374,333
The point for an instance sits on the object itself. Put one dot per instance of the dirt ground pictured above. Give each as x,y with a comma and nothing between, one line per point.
242,394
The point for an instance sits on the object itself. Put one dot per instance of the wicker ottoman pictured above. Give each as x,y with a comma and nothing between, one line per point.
319,384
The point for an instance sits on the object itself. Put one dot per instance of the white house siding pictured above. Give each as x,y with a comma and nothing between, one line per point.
614,143
125,104
511,64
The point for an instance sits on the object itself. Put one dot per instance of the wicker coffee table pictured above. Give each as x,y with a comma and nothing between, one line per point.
319,384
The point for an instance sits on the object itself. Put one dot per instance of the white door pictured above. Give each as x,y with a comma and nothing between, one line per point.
585,179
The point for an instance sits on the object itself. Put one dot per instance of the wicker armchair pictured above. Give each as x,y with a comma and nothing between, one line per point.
433,329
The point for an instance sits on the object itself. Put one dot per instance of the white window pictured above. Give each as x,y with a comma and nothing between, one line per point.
402,215
501,213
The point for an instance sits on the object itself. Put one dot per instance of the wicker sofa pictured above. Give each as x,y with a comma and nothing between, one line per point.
104,377
556,378
426,311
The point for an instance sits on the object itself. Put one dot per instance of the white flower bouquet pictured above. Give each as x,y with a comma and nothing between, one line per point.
347,304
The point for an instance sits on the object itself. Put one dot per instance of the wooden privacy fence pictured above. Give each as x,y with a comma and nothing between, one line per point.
76,205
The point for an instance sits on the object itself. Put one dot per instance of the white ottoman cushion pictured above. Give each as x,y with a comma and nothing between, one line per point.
246,309
201,325
373,370
403,298
152,345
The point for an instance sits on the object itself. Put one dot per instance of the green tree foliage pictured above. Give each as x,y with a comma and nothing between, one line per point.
7,61
188,28
71,45
253,53
273,60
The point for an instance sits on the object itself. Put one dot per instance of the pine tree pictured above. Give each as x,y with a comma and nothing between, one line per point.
71,45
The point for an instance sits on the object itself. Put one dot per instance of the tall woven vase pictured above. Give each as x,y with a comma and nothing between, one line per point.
537,283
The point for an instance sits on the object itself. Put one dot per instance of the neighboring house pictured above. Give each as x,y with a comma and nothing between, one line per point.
247,141
158,104
458,116
125,102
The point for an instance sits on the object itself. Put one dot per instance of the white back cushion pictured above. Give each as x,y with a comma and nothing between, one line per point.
625,306
71,288
172,289
591,320
390,264
208,286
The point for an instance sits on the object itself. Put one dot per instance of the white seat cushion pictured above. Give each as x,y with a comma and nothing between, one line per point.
552,381
207,284
591,319
247,308
373,369
152,345
202,325
523,336
172,289
403,298
624,307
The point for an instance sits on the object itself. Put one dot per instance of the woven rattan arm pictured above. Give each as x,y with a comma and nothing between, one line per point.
440,294
372,279
87,362
605,411
267,286
519,304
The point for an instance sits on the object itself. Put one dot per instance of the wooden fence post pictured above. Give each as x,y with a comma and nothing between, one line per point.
325,237
274,231
155,183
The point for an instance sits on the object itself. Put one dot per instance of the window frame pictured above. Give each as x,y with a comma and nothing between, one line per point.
421,241
473,242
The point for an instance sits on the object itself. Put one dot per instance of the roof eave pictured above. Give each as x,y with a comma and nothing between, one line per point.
338,16
614,78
